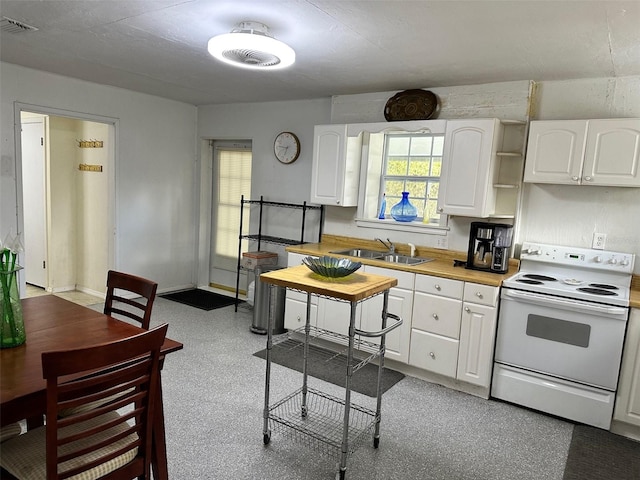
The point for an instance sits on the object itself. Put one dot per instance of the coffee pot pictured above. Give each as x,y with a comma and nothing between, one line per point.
489,246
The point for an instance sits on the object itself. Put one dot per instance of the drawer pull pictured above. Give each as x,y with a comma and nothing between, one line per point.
479,294
467,309
435,316
432,355
437,287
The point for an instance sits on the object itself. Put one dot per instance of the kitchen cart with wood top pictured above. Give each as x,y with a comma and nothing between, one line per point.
335,426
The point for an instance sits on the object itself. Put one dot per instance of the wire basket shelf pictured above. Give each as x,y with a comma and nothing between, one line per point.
320,425
329,353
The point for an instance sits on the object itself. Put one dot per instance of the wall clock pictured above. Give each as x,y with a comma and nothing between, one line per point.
286,147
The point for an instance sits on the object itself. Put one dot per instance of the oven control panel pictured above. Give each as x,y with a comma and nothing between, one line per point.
583,257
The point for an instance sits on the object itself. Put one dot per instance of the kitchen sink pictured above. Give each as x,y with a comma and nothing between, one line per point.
404,259
360,253
385,257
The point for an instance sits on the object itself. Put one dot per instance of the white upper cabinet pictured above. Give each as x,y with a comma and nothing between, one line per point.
482,161
337,154
465,167
584,152
335,172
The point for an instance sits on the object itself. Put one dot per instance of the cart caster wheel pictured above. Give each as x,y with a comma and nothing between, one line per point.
376,442
266,438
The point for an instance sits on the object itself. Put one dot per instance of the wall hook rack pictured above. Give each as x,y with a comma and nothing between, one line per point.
90,143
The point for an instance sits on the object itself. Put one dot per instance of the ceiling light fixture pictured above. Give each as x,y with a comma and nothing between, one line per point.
250,45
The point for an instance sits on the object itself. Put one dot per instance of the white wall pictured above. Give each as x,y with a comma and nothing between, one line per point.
156,207
92,209
260,123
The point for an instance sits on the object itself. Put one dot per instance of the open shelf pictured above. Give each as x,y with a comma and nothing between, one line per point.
259,238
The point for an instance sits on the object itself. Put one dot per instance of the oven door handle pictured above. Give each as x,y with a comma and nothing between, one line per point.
592,308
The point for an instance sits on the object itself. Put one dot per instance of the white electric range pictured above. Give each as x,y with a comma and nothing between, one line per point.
561,329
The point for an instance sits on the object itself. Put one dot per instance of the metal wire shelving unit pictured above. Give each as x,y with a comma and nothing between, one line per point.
259,238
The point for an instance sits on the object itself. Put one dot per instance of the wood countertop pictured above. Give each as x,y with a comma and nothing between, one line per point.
441,266
634,294
353,288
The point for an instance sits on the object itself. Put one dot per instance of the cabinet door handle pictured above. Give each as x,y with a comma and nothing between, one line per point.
437,287
435,316
337,202
588,179
432,355
440,210
467,309
575,178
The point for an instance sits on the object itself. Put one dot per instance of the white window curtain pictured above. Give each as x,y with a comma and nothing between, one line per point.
233,179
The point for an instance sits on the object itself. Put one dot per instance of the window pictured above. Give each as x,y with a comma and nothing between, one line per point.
233,179
412,163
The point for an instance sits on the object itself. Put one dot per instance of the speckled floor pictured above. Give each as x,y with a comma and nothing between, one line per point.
214,396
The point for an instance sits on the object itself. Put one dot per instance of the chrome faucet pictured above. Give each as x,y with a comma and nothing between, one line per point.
390,246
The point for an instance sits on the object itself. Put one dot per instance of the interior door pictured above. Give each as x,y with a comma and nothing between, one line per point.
33,178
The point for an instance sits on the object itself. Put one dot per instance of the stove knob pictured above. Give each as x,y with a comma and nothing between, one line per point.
625,262
598,259
613,261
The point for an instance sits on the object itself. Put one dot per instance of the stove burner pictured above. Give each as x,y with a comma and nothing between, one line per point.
596,291
542,278
530,282
604,286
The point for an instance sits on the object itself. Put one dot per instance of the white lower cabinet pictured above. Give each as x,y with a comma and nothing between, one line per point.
295,311
477,340
627,408
334,315
295,305
435,324
448,325
435,353
477,333
453,329
400,303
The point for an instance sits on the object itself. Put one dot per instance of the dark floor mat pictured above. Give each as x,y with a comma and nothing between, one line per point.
596,454
330,366
201,299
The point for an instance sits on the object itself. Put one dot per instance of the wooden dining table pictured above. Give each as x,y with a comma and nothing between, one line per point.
52,323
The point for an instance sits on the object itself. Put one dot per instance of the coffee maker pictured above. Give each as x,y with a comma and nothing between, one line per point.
489,247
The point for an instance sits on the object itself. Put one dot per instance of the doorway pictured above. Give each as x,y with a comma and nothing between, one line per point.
67,179
231,179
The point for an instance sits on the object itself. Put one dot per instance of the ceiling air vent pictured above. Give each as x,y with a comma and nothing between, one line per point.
13,26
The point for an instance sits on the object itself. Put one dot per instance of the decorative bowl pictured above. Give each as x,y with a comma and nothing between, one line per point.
331,267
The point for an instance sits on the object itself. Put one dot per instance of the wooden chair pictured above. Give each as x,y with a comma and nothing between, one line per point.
113,441
136,309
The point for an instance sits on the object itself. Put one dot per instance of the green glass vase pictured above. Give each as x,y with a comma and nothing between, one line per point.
12,331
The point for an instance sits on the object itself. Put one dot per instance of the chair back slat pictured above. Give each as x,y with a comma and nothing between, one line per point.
124,375
138,308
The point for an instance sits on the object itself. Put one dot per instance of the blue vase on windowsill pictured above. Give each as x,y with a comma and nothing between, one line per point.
404,211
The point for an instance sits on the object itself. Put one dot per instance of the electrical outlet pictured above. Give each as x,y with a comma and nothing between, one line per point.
442,242
599,240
